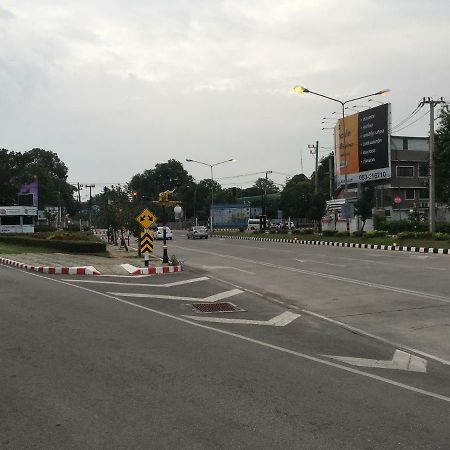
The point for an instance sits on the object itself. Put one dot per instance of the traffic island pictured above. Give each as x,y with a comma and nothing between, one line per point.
84,270
154,270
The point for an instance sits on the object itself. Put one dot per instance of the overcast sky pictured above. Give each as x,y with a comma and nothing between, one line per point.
114,87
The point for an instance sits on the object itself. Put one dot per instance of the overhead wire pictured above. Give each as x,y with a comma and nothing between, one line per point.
406,119
409,124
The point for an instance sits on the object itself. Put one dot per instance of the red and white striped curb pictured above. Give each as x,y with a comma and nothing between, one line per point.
85,270
151,270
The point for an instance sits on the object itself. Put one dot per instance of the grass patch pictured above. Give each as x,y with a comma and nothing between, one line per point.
14,249
428,243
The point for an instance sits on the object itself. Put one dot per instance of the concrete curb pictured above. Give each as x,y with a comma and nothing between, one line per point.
444,251
151,270
85,270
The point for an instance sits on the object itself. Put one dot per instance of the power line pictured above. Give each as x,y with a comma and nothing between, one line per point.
408,117
406,126
239,176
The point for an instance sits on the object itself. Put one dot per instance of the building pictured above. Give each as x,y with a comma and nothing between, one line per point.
17,219
408,186
395,197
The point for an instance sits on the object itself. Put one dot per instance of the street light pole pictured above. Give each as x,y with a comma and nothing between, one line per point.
211,226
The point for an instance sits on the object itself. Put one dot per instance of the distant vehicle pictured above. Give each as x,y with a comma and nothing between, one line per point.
197,232
253,225
158,234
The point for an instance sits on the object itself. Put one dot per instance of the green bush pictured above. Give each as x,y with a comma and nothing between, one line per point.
375,234
329,232
414,235
358,233
443,227
43,228
306,231
341,234
60,245
424,235
406,235
398,226
441,236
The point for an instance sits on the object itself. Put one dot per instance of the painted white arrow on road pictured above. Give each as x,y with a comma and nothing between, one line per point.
279,321
400,361
210,299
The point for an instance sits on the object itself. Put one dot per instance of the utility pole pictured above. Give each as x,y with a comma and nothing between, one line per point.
316,177
330,170
90,186
432,181
79,187
264,221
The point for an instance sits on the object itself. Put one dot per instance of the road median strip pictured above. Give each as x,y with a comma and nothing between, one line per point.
444,251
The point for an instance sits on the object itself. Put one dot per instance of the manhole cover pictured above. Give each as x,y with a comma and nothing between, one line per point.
216,307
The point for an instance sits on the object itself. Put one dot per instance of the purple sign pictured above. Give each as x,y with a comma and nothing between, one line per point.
29,190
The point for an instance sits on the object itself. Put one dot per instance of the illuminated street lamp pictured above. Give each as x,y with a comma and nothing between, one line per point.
211,227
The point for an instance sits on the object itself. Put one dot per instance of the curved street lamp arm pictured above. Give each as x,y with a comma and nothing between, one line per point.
329,98
365,96
222,162
198,162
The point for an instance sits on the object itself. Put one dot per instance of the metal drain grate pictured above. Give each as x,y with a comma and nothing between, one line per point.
216,307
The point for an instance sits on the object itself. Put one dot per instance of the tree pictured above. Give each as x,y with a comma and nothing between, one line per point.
363,207
116,212
43,165
51,174
11,176
317,208
164,176
323,182
296,196
442,157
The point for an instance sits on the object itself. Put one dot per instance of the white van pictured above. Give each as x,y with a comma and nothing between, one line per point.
253,225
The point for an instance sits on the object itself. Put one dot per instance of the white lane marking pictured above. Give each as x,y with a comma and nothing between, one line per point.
400,361
281,320
418,257
378,338
175,283
318,262
436,297
161,296
226,267
254,341
436,268
210,299
222,295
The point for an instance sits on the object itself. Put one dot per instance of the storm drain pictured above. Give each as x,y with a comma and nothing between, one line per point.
216,307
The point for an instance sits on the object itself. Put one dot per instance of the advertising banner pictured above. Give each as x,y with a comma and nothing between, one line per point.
367,144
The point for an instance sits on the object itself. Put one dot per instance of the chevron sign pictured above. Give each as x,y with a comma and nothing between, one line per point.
146,242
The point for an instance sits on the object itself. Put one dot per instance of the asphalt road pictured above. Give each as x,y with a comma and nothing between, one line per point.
398,296
127,362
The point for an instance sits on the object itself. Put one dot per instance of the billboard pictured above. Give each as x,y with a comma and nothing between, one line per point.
367,143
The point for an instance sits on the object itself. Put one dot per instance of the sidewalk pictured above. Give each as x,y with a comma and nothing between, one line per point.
117,262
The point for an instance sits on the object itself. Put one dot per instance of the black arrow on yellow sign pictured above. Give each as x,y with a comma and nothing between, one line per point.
146,242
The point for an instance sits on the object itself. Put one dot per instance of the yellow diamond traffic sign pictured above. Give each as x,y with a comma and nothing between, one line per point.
145,218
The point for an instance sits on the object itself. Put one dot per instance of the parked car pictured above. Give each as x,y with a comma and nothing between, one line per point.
158,234
197,232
